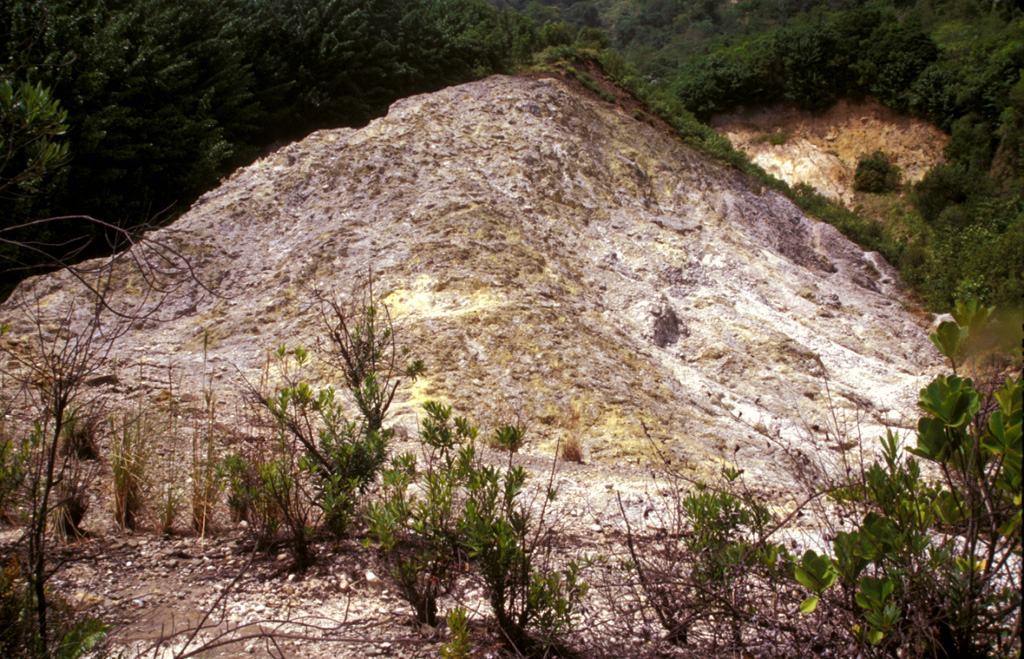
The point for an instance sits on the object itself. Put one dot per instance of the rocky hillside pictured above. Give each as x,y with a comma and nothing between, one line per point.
542,250
823,149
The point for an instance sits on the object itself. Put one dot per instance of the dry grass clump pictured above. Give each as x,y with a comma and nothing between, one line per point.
129,462
572,450
572,446
81,435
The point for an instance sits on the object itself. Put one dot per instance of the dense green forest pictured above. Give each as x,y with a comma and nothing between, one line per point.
127,110
149,102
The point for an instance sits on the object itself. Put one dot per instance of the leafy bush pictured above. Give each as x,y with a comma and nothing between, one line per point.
876,173
420,537
32,131
345,456
317,459
930,565
531,603
247,499
718,581
470,511
458,645
934,564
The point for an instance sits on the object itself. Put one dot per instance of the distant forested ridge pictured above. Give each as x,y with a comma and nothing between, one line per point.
127,110
955,63
163,97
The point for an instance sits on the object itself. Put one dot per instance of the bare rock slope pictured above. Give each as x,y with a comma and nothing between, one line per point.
541,250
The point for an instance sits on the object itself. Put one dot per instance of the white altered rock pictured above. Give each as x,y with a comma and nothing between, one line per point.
555,252
373,581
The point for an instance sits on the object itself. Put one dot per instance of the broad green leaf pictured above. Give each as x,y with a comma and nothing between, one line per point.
879,536
1010,526
948,507
932,441
1004,438
806,579
850,558
1009,396
942,398
874,592
815,572
971,316
949,339
809,604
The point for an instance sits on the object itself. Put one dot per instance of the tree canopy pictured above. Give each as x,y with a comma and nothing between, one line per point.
151,101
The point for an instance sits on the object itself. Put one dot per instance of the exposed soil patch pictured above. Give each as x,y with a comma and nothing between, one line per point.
823,149
152,587
543,251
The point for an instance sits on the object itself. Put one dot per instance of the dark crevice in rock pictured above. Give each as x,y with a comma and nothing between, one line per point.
668,328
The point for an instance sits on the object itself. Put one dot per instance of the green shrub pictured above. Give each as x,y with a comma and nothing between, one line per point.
929,566
718,520
933,563
458,645
508,438
419,537
469,511
719,577
319,463
532,604
33,132
343,458
876,173
248,500
267,491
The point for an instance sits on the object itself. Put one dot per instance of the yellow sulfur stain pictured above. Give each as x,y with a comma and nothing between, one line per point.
423,301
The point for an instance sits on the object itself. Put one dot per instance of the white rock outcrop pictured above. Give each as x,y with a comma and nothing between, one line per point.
542,250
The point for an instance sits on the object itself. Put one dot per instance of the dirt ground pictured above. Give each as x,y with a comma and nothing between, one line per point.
156,590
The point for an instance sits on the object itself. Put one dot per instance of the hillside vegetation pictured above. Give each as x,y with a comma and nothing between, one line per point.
955,63
150,102
127,111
